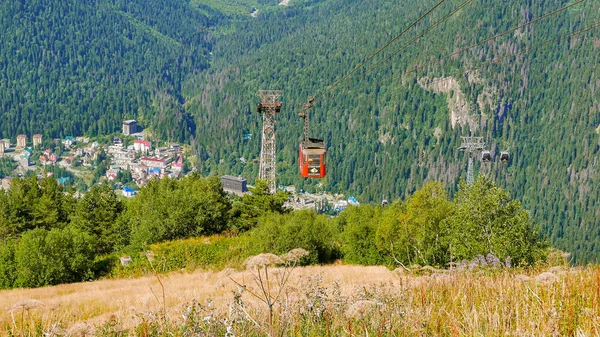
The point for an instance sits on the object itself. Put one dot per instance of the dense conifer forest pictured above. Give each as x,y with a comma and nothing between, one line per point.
189,72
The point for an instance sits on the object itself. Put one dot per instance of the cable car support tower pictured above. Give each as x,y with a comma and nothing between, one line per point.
270,106
471,145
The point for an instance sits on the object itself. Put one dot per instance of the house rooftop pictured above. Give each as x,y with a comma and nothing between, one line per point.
153,159
240,179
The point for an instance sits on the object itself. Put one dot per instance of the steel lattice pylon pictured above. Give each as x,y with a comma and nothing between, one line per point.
471,145
269,107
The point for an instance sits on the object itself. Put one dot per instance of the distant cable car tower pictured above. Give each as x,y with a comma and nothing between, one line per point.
471,145
269,107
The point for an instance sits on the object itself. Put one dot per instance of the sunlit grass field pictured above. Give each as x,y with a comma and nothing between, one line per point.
336,300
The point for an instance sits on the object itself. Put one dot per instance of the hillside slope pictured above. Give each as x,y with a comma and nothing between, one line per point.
318,301
389,129
80,67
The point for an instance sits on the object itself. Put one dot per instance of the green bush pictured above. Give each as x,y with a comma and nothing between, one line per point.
247,210
169,209
214,252
359,226
52,257
488,221
280,233
415,231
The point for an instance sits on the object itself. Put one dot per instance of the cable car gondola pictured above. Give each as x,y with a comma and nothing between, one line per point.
312,158
504,157
486,156
312,152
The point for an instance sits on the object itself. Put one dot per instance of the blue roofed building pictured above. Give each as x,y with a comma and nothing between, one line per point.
353,201
154,171
128,191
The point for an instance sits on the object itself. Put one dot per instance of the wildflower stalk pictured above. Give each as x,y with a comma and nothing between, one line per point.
149,256
259,269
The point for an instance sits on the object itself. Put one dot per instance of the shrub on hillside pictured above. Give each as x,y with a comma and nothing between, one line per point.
280,233
169,209
52,257
359,226
487,221
415,231
249,208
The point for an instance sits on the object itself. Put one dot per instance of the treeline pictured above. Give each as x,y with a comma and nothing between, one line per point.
428,228
48,236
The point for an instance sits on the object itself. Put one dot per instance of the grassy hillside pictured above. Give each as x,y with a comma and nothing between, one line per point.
318,301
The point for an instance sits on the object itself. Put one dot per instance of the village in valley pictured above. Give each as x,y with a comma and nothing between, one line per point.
131,155
128,161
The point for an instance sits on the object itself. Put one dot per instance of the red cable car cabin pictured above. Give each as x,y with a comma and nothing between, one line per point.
312,158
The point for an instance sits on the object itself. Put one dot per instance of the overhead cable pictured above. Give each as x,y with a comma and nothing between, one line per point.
453,54
382,48
526,51
420,35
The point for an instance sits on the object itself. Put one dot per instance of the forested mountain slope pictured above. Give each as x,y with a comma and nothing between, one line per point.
80,67
391,128
74,67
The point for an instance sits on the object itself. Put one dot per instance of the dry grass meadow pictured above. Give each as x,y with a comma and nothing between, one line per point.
335,300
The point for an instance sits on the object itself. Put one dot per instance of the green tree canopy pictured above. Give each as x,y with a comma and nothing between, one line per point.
247,209
358,226
52,257
280,233
488,221
168,209
415,231
97,213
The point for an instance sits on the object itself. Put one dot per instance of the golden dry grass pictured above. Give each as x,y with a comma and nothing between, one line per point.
99,301
554,302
